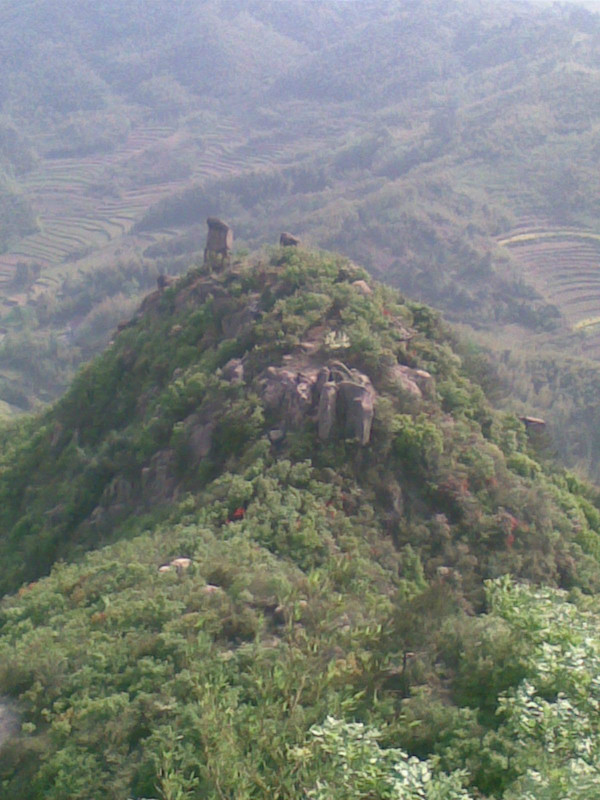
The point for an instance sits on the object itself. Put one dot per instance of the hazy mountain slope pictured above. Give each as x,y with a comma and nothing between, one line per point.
417,138
326,577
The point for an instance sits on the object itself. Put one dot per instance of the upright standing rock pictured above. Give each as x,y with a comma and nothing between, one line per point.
326,415
359,402
218,243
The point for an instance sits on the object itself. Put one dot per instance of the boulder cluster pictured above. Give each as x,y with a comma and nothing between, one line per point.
333,395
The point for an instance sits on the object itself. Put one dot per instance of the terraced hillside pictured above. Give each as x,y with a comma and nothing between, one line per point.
85,203
72,219
563,264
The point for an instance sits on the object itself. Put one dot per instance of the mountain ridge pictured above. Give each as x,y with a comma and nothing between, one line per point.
274,471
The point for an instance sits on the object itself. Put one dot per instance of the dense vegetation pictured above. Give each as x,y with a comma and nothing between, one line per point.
344,628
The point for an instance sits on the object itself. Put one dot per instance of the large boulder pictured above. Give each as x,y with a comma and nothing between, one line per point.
363,287
416,382
233,371
330,395
288,240
290,392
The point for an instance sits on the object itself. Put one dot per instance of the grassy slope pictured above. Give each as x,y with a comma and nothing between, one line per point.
346,559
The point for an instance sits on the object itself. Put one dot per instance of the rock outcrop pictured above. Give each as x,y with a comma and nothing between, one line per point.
233,371
290,392
9,722
240,321
415,382
218,244
327,409
178,565
200,436
533,423
198,292
164,281
151,300
288,240
358,400
363,287
159,482
332,396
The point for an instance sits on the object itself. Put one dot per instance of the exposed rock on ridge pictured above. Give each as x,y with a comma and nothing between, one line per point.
218,243
332,394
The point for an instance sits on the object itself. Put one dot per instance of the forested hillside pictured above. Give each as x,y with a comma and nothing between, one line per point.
274,529
451,149
278,515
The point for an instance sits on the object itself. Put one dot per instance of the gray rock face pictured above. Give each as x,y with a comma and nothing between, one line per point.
289,392
239,322
359,404
201,440
158,479
199,291
9,722
218,243
164,281
328,395
114,503
287,240
416,382
199,436
327,408
118,492
363,287
233,371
